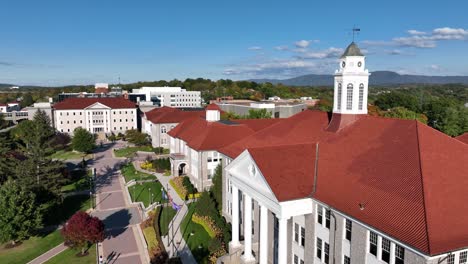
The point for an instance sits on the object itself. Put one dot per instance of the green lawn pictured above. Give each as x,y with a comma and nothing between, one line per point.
198,242
130,173
141,192
70,205
79,184
130,151
30,249
69,257
67,155
165,218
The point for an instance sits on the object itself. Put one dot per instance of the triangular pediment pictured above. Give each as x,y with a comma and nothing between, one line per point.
97,105
245,172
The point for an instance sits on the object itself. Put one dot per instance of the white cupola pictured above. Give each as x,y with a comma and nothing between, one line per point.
213,113
351,83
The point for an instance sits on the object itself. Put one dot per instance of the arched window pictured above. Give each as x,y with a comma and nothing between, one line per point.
339,97
172,127
361,96
163,129
349,97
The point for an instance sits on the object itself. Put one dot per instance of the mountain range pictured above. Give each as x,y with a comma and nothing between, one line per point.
376,78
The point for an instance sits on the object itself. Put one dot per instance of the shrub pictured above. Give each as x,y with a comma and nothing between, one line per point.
161,165
189,186
147,166
177,184
208,224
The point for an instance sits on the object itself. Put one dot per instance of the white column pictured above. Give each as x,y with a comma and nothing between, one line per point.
247,229
283,241
392,253
263,234
379,247
235,217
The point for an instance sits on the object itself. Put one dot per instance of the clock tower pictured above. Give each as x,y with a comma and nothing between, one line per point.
351,83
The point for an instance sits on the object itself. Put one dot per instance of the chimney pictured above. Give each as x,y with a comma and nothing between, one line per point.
212,113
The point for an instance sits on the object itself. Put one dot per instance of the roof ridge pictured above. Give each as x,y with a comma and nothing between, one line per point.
426,224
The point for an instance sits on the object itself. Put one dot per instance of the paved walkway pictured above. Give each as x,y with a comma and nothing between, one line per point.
124,243
176,246
49,254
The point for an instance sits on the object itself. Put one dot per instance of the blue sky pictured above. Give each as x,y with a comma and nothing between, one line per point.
81,42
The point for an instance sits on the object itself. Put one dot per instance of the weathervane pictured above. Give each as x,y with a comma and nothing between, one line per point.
355,31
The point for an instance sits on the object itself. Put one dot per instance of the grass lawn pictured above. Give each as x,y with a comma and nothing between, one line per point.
141,193
130,173
70,205
67,155
79,184
130,151
30,249
69,256
165,218
198,242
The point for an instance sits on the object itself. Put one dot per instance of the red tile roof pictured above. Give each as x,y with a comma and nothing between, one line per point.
258,124
278,163
166,115
82,103
213,107
409,178
304,127
202,135
463,138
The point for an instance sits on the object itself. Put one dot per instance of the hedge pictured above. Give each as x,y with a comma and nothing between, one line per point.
207,223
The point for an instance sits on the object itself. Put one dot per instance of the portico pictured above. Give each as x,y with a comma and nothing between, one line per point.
249,185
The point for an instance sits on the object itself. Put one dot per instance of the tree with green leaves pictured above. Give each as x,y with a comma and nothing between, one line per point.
403,113
27,100
6,164
217,187
83,140
258,114
136,137
21,214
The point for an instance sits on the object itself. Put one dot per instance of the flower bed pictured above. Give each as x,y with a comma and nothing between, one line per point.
177,184
153,239
208,224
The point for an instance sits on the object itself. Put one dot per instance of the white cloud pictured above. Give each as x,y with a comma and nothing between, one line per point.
447,33
323,54
416,32
281,48
302,44
415,41
394,52
255,48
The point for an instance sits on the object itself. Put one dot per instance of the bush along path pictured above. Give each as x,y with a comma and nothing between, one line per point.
176,245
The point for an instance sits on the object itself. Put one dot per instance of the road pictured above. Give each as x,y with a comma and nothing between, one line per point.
123,243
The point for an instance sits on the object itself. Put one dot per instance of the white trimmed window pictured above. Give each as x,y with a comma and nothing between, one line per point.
163,129
373,237
361,96
451,259
319,214
385,250
463,257
327,218
399,255
296,233
326,259
346,260
338,106
319,248
303,236
348,229
349,97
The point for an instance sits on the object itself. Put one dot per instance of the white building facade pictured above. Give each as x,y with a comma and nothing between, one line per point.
170,96
99,115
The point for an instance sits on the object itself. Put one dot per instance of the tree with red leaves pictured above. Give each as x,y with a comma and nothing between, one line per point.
81,230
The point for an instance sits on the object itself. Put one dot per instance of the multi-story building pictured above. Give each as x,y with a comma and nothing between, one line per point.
277,108
351,189
168,96
159,121
100,90
195,141
97,115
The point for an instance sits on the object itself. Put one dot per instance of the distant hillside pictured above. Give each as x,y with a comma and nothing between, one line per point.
376,78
